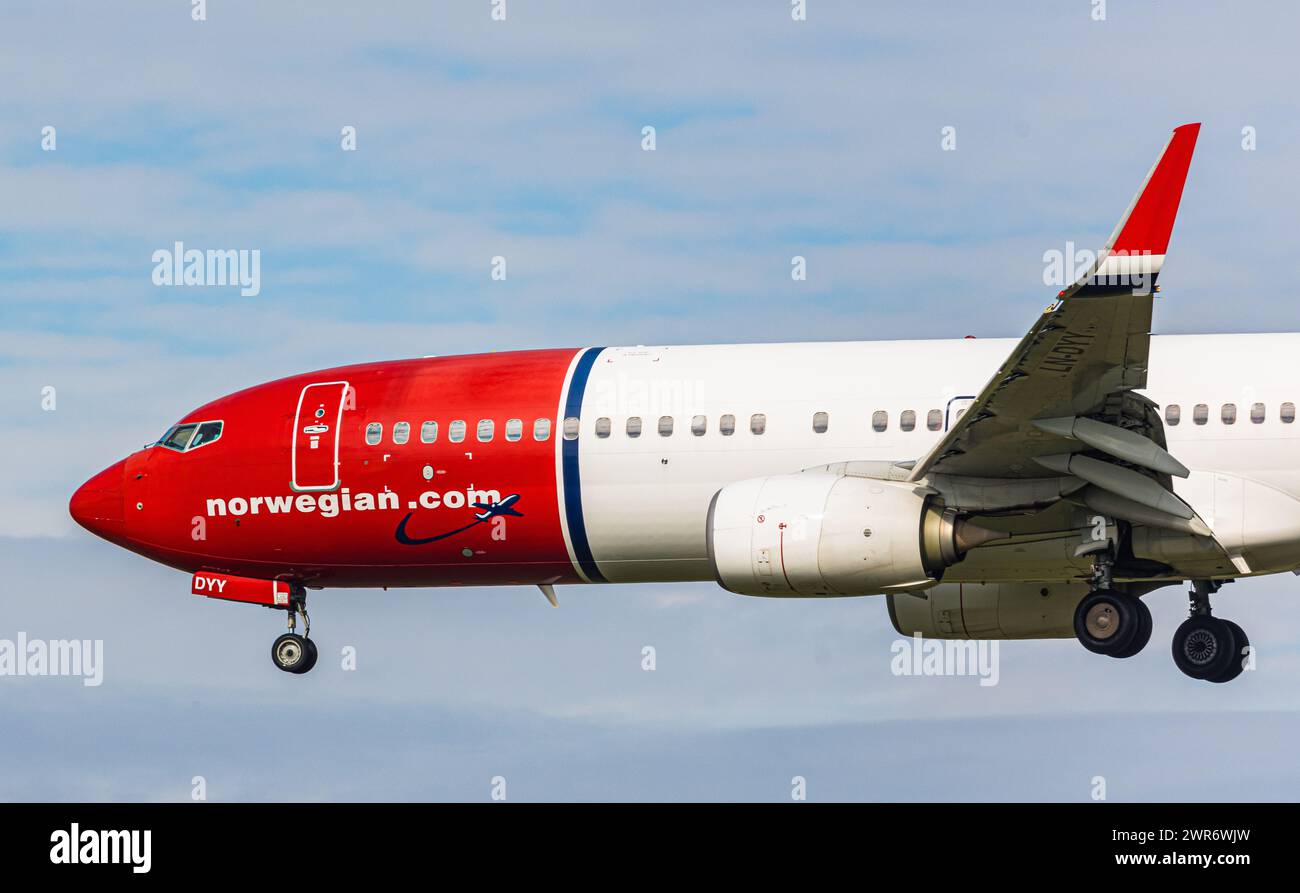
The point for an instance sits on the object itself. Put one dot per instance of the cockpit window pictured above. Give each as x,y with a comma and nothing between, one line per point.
190,436
208,432
178,438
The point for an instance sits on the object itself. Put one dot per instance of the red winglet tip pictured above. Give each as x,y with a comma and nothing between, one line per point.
1151,220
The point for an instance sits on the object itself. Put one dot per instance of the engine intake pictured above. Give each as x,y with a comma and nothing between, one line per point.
821,534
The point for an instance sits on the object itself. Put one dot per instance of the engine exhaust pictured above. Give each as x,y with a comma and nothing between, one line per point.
946,537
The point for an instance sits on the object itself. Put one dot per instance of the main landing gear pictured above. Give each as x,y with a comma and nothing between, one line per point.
291,652
1115,623
1108,621
1208,647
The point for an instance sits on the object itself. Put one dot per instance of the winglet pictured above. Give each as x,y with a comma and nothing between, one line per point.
1150,219
1136,249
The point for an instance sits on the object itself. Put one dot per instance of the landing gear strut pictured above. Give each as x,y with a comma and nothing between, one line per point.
291,652
1108,621
1208,647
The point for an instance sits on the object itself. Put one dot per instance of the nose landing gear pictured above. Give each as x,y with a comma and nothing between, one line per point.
1208,647
291,652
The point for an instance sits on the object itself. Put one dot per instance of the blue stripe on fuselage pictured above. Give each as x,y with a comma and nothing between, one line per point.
572,480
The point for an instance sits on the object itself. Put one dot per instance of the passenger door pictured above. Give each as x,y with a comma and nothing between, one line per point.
956,408
315,462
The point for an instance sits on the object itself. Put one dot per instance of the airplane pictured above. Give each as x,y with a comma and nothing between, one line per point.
497,509
987,488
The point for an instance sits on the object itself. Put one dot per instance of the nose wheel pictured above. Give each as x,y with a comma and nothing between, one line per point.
294,653
291,652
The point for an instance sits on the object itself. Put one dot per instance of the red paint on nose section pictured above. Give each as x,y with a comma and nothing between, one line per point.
97,504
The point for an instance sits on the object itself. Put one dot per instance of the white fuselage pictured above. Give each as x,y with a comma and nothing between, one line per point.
645,498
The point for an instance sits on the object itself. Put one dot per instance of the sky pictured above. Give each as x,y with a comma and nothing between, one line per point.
523,139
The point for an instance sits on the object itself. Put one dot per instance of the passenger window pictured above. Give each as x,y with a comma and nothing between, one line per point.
1287,415
1257,413
542,429
571,428
374,433
514,429
487,429
428,432
665,426
727,425
1173,414
1200,413
401,432
603,427
208,432
699,425
821,421
907,421
934,419
757,423
178,438
1228,414
456,431
634,426
879,420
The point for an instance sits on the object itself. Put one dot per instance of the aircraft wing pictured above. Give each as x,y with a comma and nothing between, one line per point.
1084,356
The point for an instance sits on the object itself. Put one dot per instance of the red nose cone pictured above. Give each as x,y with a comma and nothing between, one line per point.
97,504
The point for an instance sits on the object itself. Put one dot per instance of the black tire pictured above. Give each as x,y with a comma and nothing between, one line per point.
1145,625
289,652
310,661
1238,663
1204,647
1107,621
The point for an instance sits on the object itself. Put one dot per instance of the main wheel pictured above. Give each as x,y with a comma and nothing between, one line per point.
1108,622
1205,647
1145,625
1238,663
310,661
289,653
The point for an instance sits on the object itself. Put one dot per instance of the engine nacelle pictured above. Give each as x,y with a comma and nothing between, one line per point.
989,611
824,534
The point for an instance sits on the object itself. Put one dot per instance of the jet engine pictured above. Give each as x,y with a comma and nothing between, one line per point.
821,534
